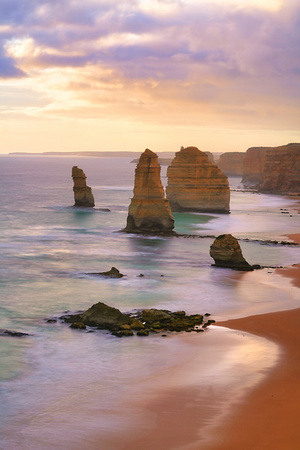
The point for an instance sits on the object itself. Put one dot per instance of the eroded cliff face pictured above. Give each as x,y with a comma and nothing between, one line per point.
232,163
82,193
149,211
281,174
254,163
196,184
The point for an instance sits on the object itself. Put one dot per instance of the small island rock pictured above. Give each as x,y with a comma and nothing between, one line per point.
82,193
226,252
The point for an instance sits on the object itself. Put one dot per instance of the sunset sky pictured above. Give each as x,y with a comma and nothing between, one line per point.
222,75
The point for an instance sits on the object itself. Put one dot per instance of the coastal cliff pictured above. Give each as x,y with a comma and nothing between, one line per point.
274,170
232,163
82,193
254,165
149,211
281,173
196,184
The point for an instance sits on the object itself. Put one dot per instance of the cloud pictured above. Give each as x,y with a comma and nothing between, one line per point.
139,58
8,67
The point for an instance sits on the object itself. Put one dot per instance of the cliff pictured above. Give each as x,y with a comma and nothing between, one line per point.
196,184
232,163
149,211
82,193
254,162
281,174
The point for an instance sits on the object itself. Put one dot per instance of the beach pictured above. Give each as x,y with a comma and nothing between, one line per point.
267,417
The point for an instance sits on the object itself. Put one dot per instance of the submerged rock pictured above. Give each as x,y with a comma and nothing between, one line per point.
226,252
196,184
149,212
82,193
13,333
142,322
112,273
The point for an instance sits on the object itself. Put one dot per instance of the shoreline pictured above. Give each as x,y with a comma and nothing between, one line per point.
265,416
270,415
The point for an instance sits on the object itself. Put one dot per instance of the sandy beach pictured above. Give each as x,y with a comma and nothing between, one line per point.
265,418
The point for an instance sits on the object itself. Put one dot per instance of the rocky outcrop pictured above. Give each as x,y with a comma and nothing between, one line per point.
226,252
196,184
149,212
143,322
13,333
254,163
232,163
112,273
82,193
281,174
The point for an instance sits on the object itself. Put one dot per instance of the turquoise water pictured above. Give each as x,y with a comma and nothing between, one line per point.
56,380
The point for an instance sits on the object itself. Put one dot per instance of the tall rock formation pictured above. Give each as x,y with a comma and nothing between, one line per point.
281,173
196,184
254,163
149,212
232,163
226,252
82,193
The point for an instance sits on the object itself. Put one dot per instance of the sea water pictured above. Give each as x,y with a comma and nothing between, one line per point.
60,386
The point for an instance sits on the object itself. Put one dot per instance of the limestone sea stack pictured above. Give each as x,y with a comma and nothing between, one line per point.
196,184
149,211
82,193
226,252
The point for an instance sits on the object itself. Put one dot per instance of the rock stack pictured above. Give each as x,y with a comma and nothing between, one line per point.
82,193
196,184
149,212
226,252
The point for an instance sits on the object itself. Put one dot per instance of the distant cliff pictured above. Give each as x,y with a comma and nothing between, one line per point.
196,184
254,162
232,163
281,174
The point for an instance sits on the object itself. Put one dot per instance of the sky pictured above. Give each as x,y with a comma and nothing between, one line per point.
114,75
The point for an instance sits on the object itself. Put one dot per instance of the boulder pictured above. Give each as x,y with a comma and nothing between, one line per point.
226,252
104,317
82,193
196,184
149,212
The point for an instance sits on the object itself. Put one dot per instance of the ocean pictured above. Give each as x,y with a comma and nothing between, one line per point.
69,389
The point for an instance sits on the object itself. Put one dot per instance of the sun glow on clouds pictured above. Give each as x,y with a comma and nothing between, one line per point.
174,66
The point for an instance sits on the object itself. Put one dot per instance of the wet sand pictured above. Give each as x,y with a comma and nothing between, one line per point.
266,418
270,415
